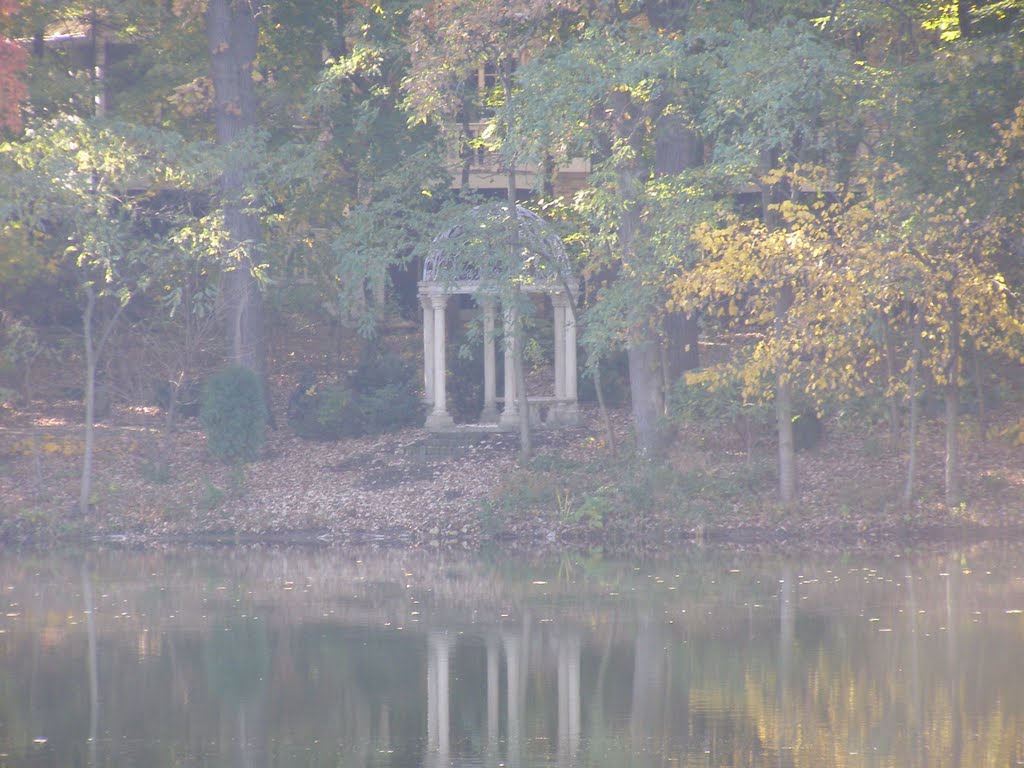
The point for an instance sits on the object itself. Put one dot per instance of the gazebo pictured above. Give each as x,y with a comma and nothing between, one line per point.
461,262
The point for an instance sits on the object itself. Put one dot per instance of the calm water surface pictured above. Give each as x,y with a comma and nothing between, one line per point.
285,657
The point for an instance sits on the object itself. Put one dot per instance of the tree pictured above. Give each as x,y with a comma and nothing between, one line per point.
12,63
800,303
947,247
602,92
69,184
356,186
232,32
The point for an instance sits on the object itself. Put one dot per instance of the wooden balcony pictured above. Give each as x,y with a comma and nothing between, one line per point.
486,170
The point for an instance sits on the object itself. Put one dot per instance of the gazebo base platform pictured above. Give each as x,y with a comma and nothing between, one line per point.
545,413
457,443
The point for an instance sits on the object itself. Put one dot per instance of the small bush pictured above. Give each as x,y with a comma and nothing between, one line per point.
381,396
387,394
697,403
595,509
323,411
716,410
234,414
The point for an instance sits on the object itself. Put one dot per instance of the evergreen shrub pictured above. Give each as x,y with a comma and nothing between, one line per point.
387,394
234,414
322,410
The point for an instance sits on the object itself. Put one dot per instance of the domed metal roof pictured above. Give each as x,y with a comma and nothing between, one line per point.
474,248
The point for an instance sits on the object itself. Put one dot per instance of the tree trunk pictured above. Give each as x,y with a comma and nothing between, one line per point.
784,409
963,17
232,37
646,395
677,148
645,379
890,371
85,487
915,410
979,391
784,406
525,441
609,433
95,341
952,397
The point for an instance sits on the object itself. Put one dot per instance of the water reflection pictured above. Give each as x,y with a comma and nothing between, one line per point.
316,658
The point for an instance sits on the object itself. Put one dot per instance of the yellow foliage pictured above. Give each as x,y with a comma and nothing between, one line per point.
824,269
47,444
1014,433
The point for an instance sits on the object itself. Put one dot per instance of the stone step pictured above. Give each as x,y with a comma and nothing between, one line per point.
454,445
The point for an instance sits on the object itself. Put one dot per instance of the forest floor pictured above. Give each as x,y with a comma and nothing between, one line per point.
715,485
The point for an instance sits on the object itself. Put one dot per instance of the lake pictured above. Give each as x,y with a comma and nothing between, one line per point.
262,656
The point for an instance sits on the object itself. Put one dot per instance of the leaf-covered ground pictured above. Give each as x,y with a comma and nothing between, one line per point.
574,492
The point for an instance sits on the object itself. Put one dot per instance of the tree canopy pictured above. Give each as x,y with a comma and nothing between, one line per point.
831,188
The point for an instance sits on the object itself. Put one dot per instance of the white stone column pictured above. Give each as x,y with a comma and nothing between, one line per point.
439,417
559,307
489,415
510,413
428,350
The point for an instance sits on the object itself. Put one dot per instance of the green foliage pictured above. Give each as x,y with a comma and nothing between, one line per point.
595,508
614,381
711,407
187,396
386,394
528,492
774,90
323,411
155,471
234,414
380,396
465,384
550,462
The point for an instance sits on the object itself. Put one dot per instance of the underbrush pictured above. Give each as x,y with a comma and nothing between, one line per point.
623,498
379,396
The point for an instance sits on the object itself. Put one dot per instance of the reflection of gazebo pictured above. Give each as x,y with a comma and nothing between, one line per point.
456,265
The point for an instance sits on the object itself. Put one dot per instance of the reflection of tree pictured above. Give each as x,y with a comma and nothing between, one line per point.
649,682
237,661
915,754
835,659
952,665
93,666
787,636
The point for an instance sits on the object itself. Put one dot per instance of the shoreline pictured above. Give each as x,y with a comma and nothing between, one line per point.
572,495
